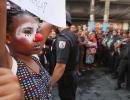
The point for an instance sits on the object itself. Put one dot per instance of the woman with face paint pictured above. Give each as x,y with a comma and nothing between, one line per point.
24,40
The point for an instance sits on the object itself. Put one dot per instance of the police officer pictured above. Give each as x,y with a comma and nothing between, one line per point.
124,65
66,52
106,50
113,37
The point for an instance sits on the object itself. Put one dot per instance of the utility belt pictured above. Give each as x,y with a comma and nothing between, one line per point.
69,73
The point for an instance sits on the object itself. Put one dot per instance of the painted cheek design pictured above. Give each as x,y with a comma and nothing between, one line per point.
23,41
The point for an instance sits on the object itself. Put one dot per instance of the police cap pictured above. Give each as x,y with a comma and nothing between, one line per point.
68,18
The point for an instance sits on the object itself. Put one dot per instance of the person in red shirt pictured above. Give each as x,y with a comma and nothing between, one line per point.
91,45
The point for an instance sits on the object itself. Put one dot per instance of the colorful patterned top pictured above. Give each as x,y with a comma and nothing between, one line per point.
35,86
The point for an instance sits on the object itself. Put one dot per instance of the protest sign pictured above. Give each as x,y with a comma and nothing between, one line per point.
52,11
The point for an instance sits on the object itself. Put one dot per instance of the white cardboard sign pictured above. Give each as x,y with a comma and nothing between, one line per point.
52,11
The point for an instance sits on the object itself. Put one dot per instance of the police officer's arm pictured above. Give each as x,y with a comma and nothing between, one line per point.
45,30
117,44
62,56
57,74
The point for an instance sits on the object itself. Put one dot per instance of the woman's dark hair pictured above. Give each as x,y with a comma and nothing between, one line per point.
10,15
12,12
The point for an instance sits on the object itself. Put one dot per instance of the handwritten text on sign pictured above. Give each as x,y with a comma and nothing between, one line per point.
52,11
41,4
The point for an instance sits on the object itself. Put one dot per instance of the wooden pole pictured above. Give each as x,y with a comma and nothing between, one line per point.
107,8
92,10
92,17
3,59
106,15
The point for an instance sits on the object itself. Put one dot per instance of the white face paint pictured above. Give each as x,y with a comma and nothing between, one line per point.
27,32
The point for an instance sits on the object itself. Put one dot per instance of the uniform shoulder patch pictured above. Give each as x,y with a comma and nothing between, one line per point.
62,44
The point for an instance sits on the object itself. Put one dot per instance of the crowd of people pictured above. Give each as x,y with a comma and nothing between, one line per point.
109,49
97,48
41,55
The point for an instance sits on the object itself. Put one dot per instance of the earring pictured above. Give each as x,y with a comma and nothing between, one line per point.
8,42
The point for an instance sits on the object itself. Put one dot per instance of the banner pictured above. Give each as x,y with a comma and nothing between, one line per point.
52,11
105,26
91,26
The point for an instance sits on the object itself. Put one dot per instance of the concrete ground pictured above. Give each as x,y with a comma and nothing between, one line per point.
97,85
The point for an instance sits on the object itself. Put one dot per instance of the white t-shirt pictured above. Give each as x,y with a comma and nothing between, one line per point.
14,66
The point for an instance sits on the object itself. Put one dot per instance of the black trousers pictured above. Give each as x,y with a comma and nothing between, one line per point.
67,87
116,63
124,71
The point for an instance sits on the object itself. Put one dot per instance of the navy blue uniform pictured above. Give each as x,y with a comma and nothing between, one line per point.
66,53
124,66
